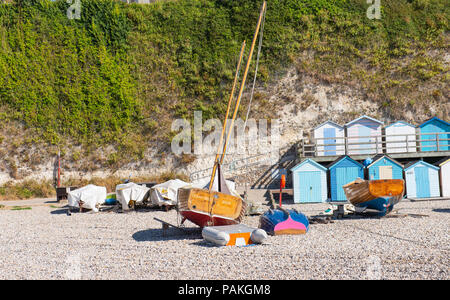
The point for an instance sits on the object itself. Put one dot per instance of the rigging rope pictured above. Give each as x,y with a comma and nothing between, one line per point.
256,68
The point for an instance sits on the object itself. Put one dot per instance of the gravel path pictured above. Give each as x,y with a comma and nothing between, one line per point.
45,243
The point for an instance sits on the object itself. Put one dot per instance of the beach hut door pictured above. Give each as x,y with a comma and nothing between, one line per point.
422,182
330,141
310,187
344,176
364,133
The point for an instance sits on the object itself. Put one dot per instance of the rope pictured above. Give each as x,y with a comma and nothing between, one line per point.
256,68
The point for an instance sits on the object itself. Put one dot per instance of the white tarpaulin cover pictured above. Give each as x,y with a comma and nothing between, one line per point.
166,193
91,195
127,192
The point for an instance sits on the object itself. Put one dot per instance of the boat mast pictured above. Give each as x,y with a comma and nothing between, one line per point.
241,90
216,160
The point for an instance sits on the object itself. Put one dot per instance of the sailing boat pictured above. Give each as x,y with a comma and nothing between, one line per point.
205,207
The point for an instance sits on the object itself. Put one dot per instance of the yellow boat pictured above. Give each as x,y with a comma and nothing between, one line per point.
206,208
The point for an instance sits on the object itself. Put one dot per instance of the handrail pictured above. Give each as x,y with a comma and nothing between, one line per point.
385,143
243,162
383,135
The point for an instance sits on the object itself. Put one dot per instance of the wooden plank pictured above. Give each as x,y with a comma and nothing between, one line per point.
285,191
166,225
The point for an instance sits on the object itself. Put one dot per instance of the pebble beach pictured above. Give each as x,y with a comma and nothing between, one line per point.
45,243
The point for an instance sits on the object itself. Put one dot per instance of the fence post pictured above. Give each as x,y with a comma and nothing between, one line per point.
437,141
316,152
407,144
376,145
346,145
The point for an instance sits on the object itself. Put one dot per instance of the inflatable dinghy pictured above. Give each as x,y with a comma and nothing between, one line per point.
280,221
233,235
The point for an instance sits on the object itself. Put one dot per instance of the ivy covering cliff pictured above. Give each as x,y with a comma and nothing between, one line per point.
121,73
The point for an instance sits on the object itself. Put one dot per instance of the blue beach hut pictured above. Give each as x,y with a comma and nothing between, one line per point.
384,167
309,180
342,171
429,130
422,180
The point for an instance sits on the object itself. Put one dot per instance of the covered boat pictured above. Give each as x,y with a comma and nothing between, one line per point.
127,193
380,195
165,194
89,196
280,221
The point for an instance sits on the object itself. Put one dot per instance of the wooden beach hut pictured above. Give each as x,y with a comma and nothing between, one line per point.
400,137
326,136
342,171
362,131
309,180
444,176
384,167
432,130
422,180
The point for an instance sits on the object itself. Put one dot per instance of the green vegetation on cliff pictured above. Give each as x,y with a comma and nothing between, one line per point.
119,75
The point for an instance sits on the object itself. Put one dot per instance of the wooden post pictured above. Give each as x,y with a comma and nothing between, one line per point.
376,145
407,143
282,185
346,145
437,141
316,152
59,169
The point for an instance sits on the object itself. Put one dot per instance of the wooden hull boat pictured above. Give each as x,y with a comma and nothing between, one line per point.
209,208
281,221
380,195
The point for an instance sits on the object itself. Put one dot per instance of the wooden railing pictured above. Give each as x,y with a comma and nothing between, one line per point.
398,143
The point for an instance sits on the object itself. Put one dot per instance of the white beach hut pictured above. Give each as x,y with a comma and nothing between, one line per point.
444,174
326,136
400,137
364,136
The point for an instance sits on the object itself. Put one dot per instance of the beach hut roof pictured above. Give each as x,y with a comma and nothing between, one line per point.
380,156
329,122
442,161
402,122
308,160
364,117
432,119
342,157
414,163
